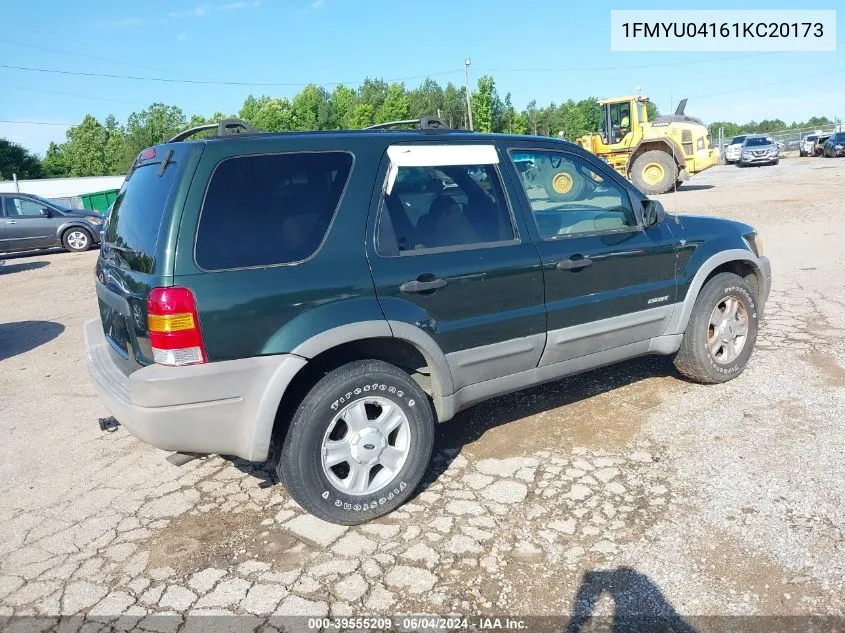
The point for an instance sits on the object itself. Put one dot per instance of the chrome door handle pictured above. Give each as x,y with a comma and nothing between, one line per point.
574,263
416,285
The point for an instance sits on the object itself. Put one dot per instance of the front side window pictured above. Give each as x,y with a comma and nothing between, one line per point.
568,197
620,120
441,207
22,207
269,209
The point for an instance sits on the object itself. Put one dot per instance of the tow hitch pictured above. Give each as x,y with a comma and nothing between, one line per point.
109,424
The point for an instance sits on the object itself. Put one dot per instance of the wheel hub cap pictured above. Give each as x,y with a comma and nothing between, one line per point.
367,445
653,173
728,330
562,182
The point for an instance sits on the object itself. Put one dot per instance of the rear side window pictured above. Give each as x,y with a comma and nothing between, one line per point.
269,209
136,216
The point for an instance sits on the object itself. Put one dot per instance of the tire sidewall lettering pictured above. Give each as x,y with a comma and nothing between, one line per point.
368,503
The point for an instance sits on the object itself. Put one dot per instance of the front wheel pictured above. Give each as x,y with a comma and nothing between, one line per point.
721,332
654,172
76,240
359,443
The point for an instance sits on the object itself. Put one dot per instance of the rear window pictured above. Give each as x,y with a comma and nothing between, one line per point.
269,209
135,218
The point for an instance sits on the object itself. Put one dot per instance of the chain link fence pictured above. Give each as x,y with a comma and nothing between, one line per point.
789,140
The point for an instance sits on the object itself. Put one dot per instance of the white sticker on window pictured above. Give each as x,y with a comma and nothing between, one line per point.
437,156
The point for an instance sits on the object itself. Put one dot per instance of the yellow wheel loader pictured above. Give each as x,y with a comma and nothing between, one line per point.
656,155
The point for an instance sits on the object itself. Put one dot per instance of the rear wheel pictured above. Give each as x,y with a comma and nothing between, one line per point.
358,444
654,172
76,240
721,332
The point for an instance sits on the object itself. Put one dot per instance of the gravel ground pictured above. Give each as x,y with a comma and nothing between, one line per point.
624,489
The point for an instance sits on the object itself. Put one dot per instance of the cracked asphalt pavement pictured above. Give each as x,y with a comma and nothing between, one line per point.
662,496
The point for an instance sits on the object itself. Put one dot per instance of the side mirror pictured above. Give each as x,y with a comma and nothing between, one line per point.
653,213
45,213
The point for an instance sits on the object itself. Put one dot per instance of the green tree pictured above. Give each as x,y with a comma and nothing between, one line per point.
455,106
312,109
363,115
14,159
344,100
152,126
427,100
54,164
114,152
372,92
395,106
85,149
483,103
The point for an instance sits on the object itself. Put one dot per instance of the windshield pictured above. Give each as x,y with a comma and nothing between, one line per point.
812,137
759,140
837,138
736,140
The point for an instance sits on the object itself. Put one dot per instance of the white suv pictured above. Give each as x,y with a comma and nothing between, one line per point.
734,149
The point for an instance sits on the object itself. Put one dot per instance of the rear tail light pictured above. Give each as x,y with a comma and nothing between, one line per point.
147,154
174,327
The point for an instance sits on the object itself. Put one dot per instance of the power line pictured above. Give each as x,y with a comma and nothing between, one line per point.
210,82
100,59
39,123
770,84
68,94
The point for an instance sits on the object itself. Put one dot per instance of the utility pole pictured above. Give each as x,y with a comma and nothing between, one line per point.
467,62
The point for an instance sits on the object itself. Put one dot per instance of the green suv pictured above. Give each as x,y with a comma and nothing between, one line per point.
334,294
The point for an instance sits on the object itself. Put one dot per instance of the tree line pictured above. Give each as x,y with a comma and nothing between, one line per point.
95,148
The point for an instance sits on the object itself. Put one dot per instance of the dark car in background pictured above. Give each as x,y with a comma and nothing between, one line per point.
28,222
834,146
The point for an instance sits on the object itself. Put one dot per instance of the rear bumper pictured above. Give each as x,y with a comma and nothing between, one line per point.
226,407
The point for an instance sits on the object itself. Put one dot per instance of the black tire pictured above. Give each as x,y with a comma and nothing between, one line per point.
776,161
71,239
666,162
576,182
695,359
300,466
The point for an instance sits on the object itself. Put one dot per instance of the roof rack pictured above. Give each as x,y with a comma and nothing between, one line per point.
227,127
423,123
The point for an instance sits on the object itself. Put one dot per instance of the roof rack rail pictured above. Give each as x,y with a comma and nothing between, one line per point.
227,127
423,123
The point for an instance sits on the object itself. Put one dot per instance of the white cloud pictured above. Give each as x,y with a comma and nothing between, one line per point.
127,22
239,5
198,11
182,37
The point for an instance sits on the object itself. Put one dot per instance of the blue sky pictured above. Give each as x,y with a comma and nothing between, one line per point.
548,50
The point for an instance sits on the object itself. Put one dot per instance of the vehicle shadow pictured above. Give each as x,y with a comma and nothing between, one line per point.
22,336
638,604
38,251
8,269
469,425
689,187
